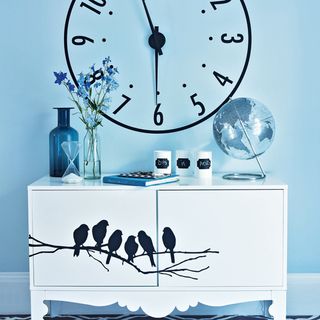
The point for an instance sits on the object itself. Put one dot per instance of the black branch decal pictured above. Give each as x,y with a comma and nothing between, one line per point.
108,251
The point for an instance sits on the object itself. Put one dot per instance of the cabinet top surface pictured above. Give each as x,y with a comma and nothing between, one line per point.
184,183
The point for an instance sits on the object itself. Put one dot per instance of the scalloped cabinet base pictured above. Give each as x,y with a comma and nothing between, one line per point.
211,242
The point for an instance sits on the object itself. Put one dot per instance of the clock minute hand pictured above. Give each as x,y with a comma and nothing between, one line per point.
156,64
155,35
156,73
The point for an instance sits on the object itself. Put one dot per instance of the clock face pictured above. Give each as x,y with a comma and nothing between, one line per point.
179,61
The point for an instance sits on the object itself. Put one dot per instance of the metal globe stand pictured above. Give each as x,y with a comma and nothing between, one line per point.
247,176
244,176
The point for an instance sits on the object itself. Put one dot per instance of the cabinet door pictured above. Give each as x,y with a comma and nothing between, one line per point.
57,214
246,227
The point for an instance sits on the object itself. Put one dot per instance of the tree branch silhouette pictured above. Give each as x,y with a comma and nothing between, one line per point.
168,271
99,261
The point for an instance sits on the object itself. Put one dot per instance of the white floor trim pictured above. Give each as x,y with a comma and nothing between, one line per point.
303,298
14,293
303,294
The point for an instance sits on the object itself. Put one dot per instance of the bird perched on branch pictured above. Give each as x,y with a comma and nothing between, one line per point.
131,248
147,245
99,232
114,243
80,236
169,241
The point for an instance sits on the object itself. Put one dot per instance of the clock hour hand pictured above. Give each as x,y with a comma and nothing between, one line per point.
157,39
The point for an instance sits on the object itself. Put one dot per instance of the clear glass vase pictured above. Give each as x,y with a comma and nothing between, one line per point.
91,156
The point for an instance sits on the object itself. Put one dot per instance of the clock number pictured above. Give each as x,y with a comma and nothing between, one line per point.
198,103
126,100
214,3
239,39
158,116
81,40
99,3
223,80
96,76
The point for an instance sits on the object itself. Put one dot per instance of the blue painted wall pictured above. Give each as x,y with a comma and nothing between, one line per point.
283,73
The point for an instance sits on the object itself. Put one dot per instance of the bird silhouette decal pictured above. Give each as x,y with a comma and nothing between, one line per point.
114,244
99,232
169,241
80,236
147,245
131,248
128,256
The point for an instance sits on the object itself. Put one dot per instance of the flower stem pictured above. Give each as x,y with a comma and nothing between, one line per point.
92,156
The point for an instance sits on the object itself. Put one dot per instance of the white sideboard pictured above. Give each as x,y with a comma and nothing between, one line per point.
229,244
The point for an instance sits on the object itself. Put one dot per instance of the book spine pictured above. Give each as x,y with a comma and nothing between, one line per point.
130,182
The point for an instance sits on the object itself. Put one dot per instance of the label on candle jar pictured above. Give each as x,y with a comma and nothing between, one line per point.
183,163
204,164
162,163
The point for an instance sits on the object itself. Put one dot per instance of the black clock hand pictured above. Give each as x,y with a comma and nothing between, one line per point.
156,40
148,15
156,64
156,73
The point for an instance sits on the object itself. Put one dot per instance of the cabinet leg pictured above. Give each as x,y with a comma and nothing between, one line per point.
38,308
278,307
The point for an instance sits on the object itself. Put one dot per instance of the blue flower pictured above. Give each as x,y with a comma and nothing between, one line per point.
106,61
90,120
60,77
71,87
111,71
87,84
86,102
107,100
81,79
107,79
82,92
113,85
89,101
105,108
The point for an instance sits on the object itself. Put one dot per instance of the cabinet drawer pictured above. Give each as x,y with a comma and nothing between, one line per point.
55,216
245,226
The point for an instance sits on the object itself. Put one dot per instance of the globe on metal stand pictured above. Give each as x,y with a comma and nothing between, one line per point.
244,129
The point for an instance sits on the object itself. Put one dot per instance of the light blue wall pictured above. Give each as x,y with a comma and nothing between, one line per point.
283,73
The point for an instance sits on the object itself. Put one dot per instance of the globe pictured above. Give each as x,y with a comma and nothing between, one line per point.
244,128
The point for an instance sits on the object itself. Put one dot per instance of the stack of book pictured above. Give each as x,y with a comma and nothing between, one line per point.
140,178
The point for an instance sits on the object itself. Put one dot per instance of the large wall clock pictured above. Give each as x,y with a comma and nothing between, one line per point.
179,60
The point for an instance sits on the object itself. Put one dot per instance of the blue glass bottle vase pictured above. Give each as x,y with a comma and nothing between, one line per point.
63,132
